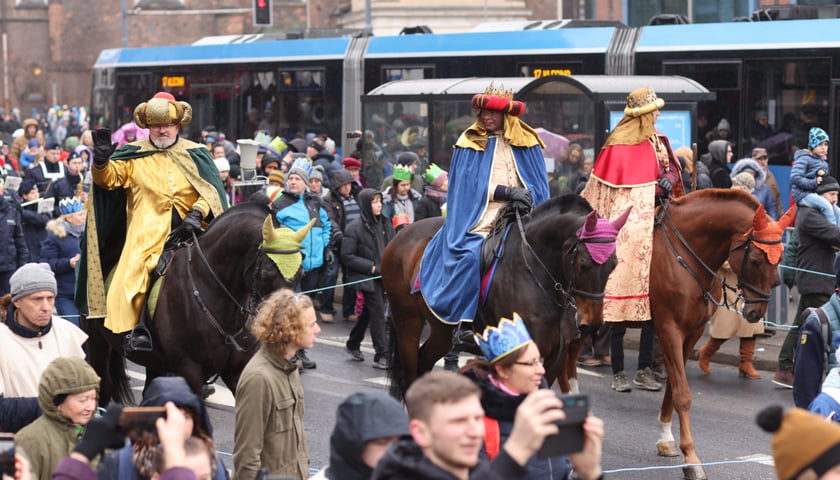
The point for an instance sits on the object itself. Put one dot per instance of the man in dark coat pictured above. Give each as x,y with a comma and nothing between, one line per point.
14,253
69,185
48,170
343,203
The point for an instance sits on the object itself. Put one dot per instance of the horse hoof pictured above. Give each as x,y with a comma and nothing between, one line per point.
694,472
667,449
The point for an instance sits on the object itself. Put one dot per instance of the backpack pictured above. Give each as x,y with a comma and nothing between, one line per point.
825,331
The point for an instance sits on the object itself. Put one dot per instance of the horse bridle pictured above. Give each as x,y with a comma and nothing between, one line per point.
253,297
567,295
707,293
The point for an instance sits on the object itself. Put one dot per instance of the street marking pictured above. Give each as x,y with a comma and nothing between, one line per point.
223,397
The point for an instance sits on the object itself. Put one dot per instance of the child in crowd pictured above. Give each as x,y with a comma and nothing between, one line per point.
809,168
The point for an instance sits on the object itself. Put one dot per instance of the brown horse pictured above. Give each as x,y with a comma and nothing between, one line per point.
693,237
209,293
544,273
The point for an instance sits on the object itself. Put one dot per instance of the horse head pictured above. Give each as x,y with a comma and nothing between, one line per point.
592,266
755,259
282,246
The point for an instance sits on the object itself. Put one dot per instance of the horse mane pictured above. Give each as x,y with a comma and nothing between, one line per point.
718,194
237,225
234,214
569,202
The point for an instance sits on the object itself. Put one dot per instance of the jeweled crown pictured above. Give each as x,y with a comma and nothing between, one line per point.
500,341
70,205
499,91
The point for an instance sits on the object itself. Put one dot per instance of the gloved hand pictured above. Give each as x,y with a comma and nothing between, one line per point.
329,256
520,199
101,433
102,146
192,222
665,185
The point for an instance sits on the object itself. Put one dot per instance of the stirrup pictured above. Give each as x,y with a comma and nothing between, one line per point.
138,340
463,339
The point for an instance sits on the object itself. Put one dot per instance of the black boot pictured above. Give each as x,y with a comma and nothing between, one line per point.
139,339
305,362
463,339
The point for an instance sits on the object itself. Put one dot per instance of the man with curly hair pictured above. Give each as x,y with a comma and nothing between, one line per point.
269,396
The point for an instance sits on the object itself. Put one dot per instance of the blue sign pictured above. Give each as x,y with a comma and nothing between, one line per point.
675,124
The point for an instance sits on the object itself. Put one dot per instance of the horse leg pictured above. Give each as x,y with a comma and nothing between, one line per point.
98,353
568,378
683,407
666,446
435,347
407,328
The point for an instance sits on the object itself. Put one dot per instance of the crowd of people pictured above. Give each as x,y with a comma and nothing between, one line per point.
95,248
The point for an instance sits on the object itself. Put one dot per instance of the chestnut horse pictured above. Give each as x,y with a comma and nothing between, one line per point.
543,274
209,293
693,237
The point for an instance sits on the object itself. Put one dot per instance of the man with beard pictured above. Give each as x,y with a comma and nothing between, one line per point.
140,194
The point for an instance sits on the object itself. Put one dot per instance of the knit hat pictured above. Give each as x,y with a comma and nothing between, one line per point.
162,109
828,184
351,163
498,99
642,101
65,376
317,173
302,168
298,145
723,124
340,177
270,158
803,442
31,278
744,180
273,192
407,158
816,136
277,177
435,176
33,142
222,164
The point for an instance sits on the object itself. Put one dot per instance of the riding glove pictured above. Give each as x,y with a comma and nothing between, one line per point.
101,433
192,222
665,185
102,147
520,199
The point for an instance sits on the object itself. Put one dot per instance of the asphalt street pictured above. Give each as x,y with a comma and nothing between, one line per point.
723,414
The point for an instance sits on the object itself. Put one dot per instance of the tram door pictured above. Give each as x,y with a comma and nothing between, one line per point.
212,104
834,123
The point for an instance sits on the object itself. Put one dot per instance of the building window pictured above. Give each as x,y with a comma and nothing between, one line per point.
31,3
160,4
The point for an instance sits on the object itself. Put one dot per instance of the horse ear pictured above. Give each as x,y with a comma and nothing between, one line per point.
268,229
760,219
301,234
622,219
591,221
788,218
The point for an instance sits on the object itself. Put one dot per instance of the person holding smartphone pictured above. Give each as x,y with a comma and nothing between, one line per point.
513,369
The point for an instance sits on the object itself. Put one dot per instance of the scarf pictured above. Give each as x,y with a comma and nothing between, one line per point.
75,230
435,194
404,205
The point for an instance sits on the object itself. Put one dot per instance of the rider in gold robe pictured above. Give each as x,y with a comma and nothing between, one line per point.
141,192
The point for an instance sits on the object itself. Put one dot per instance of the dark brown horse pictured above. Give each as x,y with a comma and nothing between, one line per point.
208,294
543,275
693,237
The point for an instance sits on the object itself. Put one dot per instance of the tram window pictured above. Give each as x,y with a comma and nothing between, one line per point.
715,76
390,73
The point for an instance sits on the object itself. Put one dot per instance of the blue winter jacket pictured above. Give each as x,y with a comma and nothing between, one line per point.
809,361
57,250
295,211
803,174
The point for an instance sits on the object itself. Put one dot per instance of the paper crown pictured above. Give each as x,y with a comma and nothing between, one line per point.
435,174
642,101
499,99
402,174
70,205
498,342
162,109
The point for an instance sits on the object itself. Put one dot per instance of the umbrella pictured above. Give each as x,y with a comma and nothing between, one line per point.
118,137
777,143
555,144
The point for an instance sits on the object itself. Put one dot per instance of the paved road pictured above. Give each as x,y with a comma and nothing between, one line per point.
723,412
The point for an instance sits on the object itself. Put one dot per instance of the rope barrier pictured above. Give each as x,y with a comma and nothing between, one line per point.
705,464
316,290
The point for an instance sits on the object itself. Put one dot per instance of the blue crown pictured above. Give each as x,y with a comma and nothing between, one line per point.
304,164
70,205
509,336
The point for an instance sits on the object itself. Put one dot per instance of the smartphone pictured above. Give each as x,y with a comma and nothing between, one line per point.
353,134
570,438
7,455
137,421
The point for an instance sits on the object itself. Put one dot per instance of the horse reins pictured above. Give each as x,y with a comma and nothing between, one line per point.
765,296
567,295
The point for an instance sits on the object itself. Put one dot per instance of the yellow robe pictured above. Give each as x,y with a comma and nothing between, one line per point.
154,185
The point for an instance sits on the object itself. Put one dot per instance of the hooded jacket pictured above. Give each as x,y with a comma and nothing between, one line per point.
53,436
716,160
762,191
364,242
361,418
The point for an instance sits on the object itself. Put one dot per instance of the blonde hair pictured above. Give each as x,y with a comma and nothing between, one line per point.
279,320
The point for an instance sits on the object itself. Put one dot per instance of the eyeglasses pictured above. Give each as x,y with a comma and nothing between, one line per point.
532,363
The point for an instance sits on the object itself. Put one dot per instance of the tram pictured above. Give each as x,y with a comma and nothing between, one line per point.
787,70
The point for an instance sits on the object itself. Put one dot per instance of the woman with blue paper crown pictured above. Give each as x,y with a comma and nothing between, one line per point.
513,369
62,251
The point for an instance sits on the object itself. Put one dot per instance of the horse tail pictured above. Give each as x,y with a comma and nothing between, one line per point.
395,371
120,389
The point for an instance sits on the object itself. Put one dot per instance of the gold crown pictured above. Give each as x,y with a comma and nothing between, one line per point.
499,91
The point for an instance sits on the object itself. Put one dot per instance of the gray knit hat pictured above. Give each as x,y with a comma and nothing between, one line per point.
31,278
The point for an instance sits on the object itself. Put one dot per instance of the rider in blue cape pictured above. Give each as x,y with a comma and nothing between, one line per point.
497,160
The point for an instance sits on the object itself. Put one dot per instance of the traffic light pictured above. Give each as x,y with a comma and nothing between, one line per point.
262,13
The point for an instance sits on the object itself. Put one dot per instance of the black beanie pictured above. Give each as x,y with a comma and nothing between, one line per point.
828,184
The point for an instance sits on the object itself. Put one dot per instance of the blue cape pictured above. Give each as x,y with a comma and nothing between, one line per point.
450,268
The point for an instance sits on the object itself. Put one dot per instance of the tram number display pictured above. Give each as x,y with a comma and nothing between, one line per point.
549,72
173,81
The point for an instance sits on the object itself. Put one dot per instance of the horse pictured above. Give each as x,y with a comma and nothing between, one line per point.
693,236
207,296
545,273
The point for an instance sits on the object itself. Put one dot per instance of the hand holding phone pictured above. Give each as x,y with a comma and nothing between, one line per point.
138,421
7,455
570,438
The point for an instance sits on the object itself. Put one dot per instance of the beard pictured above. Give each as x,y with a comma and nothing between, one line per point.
163,142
